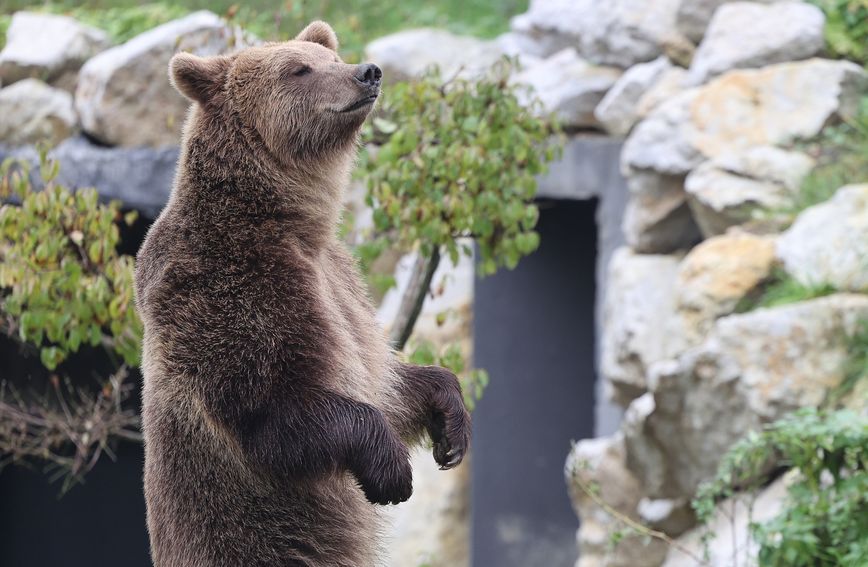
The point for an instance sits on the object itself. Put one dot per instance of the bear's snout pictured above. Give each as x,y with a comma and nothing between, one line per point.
368,75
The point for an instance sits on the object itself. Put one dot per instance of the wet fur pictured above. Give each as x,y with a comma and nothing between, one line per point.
275,415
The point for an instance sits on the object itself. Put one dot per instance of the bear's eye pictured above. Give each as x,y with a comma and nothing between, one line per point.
303,70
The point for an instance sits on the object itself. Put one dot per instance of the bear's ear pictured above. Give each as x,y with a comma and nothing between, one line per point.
198,78
321,33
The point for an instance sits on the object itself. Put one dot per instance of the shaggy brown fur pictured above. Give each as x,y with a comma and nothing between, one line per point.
275,413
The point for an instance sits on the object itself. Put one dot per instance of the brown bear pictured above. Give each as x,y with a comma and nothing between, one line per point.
275,414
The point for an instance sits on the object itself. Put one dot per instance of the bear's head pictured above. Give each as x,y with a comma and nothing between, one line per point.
298,96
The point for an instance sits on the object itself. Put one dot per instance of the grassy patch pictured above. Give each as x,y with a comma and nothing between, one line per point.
846,28
782,289
856,368
841,152
355,21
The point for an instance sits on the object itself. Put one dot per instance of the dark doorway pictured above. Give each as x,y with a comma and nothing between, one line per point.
534,334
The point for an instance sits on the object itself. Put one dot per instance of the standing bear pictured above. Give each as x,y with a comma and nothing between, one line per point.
275,415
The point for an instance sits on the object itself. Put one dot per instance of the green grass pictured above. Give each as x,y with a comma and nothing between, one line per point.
356,22
782,289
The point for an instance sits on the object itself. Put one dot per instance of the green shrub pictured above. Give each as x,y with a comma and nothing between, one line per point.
782,289
846,27
62,282
824,521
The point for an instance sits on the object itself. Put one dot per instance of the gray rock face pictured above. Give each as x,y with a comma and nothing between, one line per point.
410,53
693,16
639,301
31,112
618,111
141,178
743,109
569,87
124,96
658,219
740,36
734,188
752,369
828,243
46,46
600,463
616,32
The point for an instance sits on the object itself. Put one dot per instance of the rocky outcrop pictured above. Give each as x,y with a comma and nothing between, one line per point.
48,47
738,37
598,467
568,87
616,32
751,370
124,96
408,54
639,300
658,219
693,16
828,243
32,112
716,275
619,109
735,189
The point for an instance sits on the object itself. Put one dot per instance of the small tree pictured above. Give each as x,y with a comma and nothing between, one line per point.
457,161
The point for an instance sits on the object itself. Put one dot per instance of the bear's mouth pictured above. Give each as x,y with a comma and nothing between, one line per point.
361,103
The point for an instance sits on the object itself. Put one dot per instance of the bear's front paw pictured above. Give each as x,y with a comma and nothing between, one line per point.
388,478
450,424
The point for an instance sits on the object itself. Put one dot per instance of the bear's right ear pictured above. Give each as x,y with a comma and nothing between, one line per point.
198,78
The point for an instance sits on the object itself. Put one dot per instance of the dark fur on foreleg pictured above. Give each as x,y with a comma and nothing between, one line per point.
433,395
323,432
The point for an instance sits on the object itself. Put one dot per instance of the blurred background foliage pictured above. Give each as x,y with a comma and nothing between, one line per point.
355,22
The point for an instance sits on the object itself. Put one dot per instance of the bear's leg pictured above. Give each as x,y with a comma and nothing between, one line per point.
433,397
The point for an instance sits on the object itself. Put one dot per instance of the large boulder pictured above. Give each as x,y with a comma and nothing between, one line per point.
408,54
734,189
773,106
124,96
828,243
639,301
716,275
569,87
658,219
693,16
31,112
48,47
751,370
618,111
598,467
616,32
740,37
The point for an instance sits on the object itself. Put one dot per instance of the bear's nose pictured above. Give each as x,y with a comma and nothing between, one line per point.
368,74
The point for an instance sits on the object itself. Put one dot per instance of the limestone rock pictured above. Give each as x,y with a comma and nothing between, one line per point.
616,32
47,46
716,275
600,463
751,370
124,96
618,111
773,106
658,219
31,112
410,53
673,517
639,301
828,243
734,188
668,86
749,35
731,523
693,16
569,86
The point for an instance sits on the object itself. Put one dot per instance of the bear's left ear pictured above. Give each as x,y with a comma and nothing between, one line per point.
321,33
198,78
